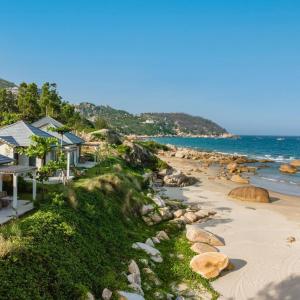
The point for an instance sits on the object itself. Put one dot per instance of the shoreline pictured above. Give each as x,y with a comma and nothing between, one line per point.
256,236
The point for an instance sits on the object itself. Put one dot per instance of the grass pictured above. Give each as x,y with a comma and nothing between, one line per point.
79,239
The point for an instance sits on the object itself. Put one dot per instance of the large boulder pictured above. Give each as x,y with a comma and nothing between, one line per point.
178,179
295,163
250,193
196,234
239,179
107,135
209,264
288,169
203,248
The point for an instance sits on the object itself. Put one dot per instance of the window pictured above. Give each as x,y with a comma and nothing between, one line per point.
32,161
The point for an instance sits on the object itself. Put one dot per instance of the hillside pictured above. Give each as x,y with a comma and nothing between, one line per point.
150,123
6,84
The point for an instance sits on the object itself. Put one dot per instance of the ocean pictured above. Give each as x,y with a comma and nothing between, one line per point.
280,149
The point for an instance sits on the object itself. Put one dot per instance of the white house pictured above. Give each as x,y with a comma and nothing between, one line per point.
71,142
19,135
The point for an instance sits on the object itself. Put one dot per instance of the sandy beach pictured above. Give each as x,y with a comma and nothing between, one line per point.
267,266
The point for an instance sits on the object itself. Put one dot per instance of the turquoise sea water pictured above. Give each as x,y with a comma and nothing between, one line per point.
281,149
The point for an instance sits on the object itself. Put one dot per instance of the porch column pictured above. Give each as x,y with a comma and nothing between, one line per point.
1,182
34,185
15,191
68,164
75,158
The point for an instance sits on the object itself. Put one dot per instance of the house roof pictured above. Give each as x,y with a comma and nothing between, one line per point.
19,134
46,121
5,160
68,137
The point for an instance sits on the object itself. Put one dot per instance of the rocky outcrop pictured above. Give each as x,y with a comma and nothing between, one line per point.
209,264
138,155
196,234
239,179
250,193
288,169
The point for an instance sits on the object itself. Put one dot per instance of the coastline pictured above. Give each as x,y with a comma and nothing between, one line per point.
255,234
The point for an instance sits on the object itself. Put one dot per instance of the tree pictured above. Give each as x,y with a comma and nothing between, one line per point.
50,102
61,131
39,148
8,102
28,98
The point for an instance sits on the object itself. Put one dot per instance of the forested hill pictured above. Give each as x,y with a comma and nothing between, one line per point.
149,123
6,84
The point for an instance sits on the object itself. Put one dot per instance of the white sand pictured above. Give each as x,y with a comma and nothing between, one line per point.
255,235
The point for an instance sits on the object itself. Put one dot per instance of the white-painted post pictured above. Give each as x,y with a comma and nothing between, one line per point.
68,164
15,191
34,185
1,182
75,158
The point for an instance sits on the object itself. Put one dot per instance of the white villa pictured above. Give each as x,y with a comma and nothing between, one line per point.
17,135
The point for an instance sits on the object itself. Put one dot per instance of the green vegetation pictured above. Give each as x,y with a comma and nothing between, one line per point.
80,239
149,123
153,146
31,103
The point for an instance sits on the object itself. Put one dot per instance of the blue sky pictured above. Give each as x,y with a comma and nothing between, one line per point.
235,62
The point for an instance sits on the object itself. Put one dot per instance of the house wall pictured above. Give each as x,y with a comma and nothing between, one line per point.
23,160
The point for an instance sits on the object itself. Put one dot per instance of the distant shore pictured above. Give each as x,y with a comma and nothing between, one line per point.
222,136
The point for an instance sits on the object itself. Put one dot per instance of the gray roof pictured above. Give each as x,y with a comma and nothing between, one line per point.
46,121
19,134
5,159
68,138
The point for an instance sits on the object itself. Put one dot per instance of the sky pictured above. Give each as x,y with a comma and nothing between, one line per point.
234,62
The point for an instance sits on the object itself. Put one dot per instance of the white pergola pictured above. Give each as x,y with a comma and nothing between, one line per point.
15,171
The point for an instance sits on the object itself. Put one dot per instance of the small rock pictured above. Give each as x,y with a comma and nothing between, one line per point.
202,248
157,258
149,242
291,239
196,234
191,217
155,240
146,209
146,248
133,268
162,236
89,296
134,279
178,213
106,294
158,295
159,201
129,296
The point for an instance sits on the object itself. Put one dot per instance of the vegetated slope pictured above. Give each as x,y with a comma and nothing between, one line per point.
150,123
6,84
80,239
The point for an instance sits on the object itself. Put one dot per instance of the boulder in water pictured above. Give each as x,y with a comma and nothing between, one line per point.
288,169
